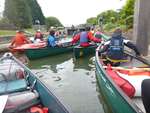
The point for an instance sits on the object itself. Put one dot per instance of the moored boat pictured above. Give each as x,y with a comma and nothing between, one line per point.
23,92
120,86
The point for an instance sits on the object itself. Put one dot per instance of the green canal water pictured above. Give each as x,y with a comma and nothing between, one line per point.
72,81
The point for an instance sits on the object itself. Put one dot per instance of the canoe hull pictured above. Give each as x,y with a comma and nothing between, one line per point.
115,99
83,51
47,51
46,96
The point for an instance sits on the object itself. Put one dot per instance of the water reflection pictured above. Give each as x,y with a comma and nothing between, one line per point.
51,63
73,81
84,63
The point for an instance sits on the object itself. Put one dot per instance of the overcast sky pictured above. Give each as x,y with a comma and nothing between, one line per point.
75,11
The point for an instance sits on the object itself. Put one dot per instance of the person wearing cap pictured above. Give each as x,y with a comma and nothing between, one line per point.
84,37
38,35
19,39
114,48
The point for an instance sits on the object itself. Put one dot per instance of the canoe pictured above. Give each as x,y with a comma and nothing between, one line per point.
120,86
40,50
23,91
79,51
46,51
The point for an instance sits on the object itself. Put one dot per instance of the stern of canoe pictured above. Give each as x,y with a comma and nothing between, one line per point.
79,51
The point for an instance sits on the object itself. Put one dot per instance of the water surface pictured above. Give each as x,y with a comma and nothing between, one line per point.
73,81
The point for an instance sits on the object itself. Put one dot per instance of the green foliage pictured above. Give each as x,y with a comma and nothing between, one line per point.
109,26
123,18
129,21
4,21
108,16
23,13
52,21
36,11
18,13
128,9
92,21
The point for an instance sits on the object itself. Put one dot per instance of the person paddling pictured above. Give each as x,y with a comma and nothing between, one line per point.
114,48
19,39
38,35
84,38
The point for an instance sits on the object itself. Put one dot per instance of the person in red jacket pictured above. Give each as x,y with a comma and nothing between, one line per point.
85,37
19,39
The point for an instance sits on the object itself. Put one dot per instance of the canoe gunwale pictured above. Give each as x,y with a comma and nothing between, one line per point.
33,54
121,93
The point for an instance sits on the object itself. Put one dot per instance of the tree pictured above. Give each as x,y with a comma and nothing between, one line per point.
127,12
52,21
128,9
18,13
92,21
108,16
36,12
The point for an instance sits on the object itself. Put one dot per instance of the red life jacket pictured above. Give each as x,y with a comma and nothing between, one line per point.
38,35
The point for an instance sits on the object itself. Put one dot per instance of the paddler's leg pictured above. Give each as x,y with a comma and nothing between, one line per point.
146,94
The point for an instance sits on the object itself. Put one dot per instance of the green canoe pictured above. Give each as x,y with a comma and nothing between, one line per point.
114,97
47,51
25,91
79,51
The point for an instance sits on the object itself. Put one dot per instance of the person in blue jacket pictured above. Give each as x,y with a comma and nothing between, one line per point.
51,41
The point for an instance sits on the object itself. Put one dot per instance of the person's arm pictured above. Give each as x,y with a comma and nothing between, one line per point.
105,47
25,39
12,42
75,38
132,46
92,38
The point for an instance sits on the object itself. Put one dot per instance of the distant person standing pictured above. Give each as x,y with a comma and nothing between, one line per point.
19,39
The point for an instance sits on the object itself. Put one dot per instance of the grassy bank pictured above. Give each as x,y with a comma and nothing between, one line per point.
7,32
13,32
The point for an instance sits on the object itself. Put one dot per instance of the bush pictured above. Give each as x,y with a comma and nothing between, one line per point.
109,26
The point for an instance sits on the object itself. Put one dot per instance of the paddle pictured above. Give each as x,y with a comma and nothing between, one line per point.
138,57
134,69
3,102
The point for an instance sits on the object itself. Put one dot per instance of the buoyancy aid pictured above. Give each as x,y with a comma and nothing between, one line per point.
83,37
38,35
116,49
37,109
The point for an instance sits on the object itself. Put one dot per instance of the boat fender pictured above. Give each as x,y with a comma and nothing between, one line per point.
37,109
